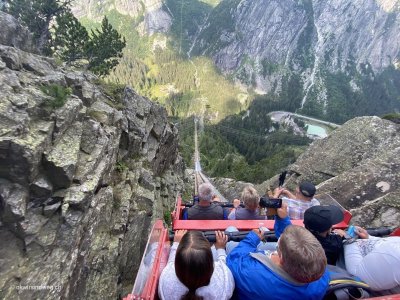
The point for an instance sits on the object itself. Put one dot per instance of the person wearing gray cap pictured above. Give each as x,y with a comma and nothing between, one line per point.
299,201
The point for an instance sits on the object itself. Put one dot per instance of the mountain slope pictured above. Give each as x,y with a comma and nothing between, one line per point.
332,59
260,42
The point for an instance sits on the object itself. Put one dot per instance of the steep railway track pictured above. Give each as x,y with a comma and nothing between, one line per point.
199,177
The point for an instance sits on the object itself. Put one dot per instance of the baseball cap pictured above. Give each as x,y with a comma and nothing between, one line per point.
307,189
321,217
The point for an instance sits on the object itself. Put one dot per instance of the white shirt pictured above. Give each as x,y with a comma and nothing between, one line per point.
376,261
221,284
296,208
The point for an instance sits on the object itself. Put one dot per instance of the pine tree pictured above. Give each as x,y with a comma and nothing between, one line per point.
37,16
104,49
70,38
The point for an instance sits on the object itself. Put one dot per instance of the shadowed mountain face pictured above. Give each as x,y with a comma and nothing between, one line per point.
333,45
339,57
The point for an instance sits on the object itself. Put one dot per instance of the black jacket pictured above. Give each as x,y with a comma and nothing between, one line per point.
333,246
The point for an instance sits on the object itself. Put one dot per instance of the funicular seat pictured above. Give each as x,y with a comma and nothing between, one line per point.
158,247
242,225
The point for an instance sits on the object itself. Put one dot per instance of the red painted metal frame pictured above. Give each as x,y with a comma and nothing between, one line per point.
396,232
160,261
150,289
387,297
178,223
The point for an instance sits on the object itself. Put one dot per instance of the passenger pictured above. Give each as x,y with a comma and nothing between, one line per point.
296,271
319,220
216,199
192,274
300,201
376,261
250,210
205,210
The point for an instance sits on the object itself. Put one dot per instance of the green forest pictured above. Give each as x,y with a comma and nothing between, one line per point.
238,139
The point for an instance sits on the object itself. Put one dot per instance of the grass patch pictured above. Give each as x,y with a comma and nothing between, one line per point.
394,117
115,92
121,167
167,218
58,94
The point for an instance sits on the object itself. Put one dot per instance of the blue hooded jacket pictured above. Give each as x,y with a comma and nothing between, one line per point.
254,280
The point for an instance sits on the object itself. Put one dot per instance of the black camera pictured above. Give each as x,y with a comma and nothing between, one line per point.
266,202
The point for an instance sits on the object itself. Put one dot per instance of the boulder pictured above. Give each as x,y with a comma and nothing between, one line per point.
60,162
66,115
30,226
41,187
36,64
13,200
91,132
13,34
102,112
383,211
59,202
20,156
49,210
11,57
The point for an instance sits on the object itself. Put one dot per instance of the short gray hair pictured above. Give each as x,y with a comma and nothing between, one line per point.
205,192
250,197
302,255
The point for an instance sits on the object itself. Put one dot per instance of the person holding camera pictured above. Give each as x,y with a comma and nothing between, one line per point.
250,210
299,201
191,272
297,270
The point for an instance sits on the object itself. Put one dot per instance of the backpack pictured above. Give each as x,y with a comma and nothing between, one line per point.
344,286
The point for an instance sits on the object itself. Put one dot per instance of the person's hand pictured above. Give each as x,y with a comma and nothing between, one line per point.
361,232
221,240
282,212
216,199
178,235
277,192
340,232
259,232
236,203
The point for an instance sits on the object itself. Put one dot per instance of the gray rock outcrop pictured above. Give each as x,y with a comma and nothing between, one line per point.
358,165
80,185
13,34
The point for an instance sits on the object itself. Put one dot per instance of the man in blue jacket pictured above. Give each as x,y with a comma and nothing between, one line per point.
296,271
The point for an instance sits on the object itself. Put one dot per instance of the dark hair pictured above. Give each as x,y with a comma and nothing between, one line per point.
194,263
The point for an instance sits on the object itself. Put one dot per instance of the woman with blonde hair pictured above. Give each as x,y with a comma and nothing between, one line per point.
250,210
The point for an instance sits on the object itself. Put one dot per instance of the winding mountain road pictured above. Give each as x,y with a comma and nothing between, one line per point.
278,115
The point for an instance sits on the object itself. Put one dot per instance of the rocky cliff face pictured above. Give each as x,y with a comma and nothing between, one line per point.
335,32
260,41
79,184
150,15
